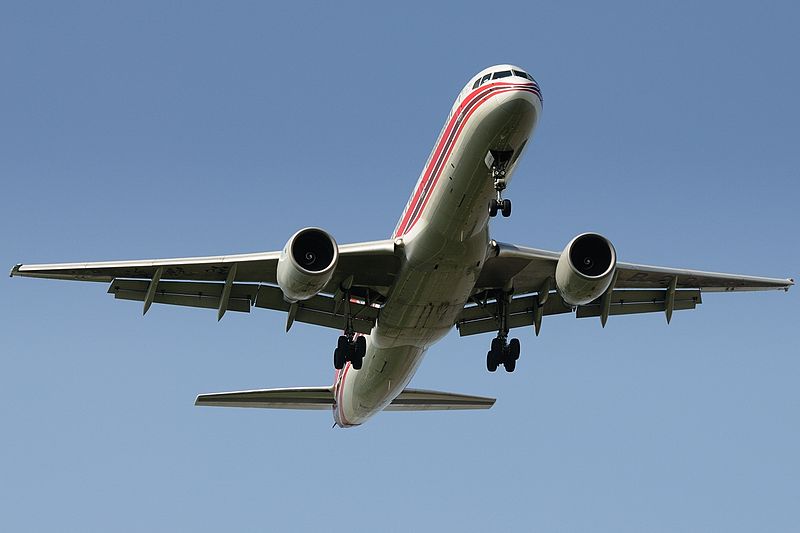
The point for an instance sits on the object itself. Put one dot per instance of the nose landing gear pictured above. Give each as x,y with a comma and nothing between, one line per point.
499,162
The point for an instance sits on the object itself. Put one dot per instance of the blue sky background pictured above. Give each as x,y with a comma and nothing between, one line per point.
161,130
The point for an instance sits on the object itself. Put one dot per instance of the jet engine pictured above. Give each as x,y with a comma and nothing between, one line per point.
306,264
585,268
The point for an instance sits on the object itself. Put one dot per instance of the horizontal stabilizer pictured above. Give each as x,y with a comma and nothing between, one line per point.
313,398
431,400
310,398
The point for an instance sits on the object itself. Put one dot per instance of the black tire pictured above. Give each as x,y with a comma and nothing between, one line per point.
513,349
338,359
497,345
491,362
510,365
361,347
343,344
357,362
506,208
493,208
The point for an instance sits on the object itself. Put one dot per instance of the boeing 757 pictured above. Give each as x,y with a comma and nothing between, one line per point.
393,299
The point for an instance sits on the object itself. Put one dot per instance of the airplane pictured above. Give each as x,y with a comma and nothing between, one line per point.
393,299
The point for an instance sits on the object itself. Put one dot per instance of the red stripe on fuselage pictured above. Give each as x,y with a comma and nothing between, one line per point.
340,394
480,96
450,149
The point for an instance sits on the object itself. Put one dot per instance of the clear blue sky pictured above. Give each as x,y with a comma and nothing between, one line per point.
155,130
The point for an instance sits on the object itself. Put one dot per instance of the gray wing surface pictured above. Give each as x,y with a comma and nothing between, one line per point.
239,282
530,267
637,289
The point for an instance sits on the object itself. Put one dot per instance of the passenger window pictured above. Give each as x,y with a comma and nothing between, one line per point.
501,74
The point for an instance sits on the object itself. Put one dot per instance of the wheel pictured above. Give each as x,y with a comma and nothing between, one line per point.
513,349
361,347
338,359
343,344
491,362
510,365
493,206
497,345
506,207
357,362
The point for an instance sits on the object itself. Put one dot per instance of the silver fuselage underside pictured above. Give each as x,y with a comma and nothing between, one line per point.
444,251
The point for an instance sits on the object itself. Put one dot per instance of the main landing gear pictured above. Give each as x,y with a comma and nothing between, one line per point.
349,349
502,353
499,177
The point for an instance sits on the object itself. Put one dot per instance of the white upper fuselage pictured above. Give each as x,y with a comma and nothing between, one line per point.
444,235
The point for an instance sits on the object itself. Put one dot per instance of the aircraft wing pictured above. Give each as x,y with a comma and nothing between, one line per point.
637,289
239,282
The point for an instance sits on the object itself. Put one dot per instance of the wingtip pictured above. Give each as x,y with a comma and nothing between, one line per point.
14,270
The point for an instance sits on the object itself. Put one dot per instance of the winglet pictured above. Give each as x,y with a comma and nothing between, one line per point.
14,270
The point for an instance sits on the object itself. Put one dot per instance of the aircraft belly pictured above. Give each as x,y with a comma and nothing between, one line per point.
385,373
444,252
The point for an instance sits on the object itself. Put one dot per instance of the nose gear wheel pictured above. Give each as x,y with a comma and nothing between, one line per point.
498,203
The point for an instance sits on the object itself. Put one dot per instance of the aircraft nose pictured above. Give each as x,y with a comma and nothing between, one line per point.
520,103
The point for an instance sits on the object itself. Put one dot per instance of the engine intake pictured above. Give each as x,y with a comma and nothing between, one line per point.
306,264
585,268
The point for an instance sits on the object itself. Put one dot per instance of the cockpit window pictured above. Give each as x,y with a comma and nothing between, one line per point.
502,74
522,74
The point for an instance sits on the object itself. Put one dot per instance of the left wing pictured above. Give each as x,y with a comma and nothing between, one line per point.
237,282
637,289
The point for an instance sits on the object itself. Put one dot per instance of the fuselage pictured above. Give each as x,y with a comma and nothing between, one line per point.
444,235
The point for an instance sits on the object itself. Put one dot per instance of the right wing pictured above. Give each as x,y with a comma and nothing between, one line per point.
636,289
237,282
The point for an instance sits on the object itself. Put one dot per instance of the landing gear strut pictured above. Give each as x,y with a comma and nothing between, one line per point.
503,351
349,347
499,177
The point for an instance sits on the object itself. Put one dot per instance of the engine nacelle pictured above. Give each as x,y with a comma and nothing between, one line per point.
306,264
585,268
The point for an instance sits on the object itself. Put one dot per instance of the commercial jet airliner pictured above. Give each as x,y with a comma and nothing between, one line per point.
395,298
